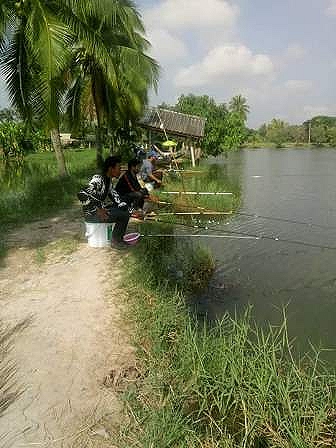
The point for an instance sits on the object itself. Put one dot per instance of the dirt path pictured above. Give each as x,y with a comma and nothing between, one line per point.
70,294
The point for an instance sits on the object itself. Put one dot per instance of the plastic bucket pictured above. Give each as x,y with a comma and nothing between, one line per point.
98,234
149,186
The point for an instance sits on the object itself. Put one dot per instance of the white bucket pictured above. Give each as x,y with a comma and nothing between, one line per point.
98,234
149,186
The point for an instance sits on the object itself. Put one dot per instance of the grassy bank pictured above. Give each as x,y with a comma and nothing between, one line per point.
33,190
230,385
288,145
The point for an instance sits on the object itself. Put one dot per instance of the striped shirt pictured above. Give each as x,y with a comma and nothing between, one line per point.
96,193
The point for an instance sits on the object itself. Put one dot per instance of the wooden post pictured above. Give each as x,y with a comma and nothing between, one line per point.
192,156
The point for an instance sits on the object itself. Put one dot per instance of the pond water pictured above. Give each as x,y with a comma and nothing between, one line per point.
286,185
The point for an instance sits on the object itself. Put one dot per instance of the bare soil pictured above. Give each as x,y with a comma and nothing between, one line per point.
71,296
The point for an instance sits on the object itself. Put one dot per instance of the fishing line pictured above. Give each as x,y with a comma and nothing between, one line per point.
290,221
250,235
195,235
269,218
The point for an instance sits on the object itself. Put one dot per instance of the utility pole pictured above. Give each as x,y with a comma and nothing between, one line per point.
309,132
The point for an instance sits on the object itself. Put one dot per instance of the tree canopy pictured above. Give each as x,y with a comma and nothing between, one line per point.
224,130
43,43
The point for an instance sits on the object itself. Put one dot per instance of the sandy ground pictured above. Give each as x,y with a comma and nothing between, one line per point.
70,293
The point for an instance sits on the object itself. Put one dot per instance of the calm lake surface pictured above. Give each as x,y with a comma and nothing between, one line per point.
296,185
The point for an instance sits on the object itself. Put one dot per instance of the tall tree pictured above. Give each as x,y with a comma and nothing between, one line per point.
118,90
37,39
34,46
239,106
224,131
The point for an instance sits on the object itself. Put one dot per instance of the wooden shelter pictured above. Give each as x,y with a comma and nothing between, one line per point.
173,123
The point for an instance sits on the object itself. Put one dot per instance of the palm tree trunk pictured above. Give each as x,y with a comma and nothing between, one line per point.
56,143
98,108
99,145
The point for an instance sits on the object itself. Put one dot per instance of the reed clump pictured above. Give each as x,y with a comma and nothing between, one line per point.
209,178
229,385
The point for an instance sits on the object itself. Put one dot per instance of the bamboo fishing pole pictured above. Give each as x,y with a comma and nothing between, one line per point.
199,213
172,152
195,193
245,235
195,235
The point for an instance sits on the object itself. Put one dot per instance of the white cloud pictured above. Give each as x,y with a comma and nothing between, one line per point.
223,62
299,85
331,10
166,48
195,14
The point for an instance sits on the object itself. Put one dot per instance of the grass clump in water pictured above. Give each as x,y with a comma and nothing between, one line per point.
210,179
231,385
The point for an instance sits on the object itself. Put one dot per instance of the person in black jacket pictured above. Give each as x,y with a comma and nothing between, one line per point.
94,201
128,186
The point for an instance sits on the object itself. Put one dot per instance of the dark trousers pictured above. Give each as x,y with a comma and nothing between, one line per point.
135,199
116,215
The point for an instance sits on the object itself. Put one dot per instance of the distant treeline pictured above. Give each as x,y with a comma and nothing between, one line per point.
319,131
226,128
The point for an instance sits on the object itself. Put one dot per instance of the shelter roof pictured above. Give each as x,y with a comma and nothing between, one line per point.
174,123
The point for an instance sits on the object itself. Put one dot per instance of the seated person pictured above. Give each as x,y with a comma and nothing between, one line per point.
147,172
94,196
129,188
139,152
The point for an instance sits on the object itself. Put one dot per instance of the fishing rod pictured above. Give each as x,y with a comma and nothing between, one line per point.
197,193
171,152
269,218
198,213
193,235
250,236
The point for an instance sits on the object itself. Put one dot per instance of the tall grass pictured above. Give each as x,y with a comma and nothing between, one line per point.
33,189
231,385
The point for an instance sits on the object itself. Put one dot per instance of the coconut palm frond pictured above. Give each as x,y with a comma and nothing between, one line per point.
14,67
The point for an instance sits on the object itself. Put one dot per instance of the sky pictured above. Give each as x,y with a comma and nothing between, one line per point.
279,54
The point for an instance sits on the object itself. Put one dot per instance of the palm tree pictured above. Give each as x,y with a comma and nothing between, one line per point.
34,46
238,105
119,90
37,40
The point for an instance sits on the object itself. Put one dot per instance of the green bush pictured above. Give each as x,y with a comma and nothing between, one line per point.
11,139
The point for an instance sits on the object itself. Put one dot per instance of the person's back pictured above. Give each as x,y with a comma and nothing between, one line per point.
127,183
146,170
